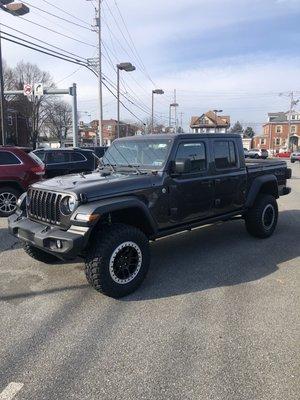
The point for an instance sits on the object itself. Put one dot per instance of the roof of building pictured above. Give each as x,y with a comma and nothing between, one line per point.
217,120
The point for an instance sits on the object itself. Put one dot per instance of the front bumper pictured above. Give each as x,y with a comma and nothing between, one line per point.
64,244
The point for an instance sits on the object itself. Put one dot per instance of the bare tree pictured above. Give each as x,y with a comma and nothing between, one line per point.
34,109
58,119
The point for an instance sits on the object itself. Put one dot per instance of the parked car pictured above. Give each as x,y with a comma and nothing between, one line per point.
295,156
246,152
98,150
66,161
258,153
148,187
18,170
284,154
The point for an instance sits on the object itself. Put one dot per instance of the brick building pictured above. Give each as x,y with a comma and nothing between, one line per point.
109,130
276,131
210,122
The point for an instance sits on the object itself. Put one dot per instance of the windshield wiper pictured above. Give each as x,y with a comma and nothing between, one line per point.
127,163
102,163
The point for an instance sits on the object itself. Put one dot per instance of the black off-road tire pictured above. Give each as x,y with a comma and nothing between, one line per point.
14,194
39,254
99,261
261,219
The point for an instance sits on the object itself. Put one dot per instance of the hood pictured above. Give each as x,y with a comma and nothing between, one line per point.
95,186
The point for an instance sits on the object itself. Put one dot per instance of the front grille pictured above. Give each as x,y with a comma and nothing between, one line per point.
44,206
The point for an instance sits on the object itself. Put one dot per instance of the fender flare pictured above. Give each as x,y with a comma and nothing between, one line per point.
114,204
257,185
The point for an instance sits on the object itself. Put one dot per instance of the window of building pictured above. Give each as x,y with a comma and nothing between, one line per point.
225,154
196,152
277,141
293,116
7,158
262,141
279,129
293,129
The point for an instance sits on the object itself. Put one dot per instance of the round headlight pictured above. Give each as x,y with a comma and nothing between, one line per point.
67,205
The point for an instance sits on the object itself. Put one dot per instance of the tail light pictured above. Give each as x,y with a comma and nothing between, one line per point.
38,170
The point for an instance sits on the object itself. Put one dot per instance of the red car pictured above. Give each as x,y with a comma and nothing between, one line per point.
18,170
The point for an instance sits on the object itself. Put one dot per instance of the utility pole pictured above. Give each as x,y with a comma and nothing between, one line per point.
2,101
293,103
181,121
176,122
100,74
15,9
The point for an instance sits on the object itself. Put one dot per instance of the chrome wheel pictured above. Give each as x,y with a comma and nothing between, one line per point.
8,202
268,216
125,263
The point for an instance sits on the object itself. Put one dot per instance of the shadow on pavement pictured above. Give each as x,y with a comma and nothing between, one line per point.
216,256
45,292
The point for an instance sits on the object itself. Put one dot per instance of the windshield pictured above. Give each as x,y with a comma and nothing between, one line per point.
146,154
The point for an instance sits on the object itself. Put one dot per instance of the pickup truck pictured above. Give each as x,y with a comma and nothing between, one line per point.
145,188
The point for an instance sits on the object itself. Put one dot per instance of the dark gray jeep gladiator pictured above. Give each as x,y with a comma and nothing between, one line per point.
146,188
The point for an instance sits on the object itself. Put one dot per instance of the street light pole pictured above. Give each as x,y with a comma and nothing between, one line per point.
13,9
2,101
118,102
128,67
100,128
156,91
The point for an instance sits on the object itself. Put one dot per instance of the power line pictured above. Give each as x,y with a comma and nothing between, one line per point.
37,45
132,42
58,33
56,16
65,12
41,41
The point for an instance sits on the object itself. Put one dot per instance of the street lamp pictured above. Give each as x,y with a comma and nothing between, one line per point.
16,9
127,67
156,91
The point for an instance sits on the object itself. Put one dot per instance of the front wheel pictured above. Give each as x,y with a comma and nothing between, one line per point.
8,201
261,219
118,260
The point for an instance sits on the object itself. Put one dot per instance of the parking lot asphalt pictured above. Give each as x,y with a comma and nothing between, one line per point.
216,318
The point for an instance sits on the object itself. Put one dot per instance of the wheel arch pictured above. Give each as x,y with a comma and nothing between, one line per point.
12,184
128,210
266,184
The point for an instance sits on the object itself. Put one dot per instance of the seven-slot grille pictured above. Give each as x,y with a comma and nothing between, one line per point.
44,206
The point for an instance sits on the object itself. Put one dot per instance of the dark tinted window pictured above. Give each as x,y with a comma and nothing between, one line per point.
7,158
77,157
225,156
195,152
57,157
40,154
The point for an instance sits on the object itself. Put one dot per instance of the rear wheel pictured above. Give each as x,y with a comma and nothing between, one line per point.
39,254
118,260
261,219
8,201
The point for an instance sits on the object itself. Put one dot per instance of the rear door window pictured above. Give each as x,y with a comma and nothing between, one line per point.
58,157
8,158
75,157
225,154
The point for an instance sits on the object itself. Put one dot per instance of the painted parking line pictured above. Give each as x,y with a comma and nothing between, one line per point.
11,390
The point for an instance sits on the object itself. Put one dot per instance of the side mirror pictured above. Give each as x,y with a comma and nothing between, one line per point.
182,166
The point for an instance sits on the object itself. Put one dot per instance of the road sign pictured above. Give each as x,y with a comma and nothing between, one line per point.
27,90
38,90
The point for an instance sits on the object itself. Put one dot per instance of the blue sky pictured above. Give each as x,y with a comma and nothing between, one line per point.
236,55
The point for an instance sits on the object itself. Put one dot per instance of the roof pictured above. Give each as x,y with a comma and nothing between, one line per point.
182,136
218,120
